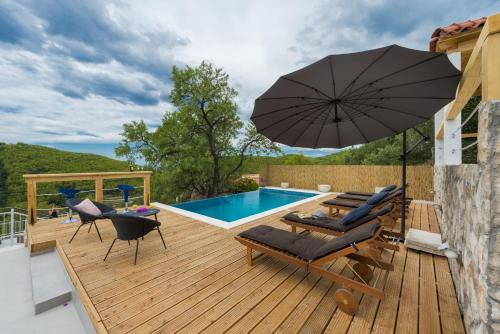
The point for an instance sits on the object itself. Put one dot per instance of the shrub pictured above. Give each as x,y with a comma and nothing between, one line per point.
244,184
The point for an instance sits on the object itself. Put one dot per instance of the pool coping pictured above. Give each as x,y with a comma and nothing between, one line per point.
238,222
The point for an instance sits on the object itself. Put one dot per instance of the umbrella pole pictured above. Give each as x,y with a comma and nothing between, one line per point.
403,214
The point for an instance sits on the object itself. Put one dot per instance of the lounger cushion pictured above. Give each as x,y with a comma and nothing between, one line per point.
299,245
354,197
356,214
306,247
377,198
389,188
344,202
330,223
357,235
359,193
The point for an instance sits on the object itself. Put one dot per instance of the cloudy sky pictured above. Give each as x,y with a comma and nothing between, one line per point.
74,71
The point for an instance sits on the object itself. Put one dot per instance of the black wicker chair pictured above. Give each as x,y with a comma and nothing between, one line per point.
133,228
86,218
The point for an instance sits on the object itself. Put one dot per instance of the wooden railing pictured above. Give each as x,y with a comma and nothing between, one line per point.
33,179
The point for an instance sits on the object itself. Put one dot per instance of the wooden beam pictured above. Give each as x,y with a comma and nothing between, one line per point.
146,188
85,176
458,42
469,135
491,68
99,194
440,133
31,185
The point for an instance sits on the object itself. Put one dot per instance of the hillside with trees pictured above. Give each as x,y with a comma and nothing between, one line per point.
19,159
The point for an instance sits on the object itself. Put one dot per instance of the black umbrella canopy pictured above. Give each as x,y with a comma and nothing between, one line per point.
348,99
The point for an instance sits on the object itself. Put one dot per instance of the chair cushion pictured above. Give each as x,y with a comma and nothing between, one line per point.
389,188
86,206
356,214
377,198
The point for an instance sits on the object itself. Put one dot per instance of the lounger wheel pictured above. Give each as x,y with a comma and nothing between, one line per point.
345,301
364,271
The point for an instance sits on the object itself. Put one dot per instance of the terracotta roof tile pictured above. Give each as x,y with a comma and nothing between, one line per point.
454,28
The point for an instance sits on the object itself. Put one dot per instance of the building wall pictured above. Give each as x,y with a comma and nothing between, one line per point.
468,199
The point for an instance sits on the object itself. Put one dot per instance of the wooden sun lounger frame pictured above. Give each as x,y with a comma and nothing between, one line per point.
315,267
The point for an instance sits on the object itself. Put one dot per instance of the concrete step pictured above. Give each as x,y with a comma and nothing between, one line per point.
49,283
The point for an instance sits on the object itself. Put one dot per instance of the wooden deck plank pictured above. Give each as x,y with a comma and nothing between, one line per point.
202,283
407,317
451,319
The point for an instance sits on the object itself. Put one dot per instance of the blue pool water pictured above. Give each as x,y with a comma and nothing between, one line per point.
234,207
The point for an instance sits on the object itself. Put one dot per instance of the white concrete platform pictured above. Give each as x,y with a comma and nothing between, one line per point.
16,301
48,281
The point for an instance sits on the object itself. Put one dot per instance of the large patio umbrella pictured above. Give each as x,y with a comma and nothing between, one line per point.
348,99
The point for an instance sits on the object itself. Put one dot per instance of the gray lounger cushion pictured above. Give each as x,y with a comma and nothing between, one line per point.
306,247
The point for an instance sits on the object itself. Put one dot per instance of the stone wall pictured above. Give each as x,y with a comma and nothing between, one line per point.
468,198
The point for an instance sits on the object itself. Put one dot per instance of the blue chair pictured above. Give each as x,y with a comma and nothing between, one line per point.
125,189
69,193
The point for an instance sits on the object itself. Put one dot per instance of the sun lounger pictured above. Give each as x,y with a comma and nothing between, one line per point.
311,253
362,196
389,188
377,200
338,226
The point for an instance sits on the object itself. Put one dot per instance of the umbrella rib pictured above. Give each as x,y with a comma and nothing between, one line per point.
405,84
322,126
295,114
356,125
401,97
398,71
333,77
309,125
308,86
290,97
285,108
338,134
292,125
372,118
389,108
364,70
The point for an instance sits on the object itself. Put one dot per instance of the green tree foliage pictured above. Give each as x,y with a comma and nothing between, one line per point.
244,184
19,159
201,146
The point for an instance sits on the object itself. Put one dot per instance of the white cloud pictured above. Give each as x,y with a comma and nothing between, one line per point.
60,84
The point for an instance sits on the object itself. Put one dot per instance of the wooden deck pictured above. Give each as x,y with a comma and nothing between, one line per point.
202,283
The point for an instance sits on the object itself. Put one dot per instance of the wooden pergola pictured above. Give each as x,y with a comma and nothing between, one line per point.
480,64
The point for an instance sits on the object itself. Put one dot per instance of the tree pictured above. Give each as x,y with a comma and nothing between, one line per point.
200,146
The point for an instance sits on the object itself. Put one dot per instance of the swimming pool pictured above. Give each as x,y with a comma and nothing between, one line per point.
233,210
